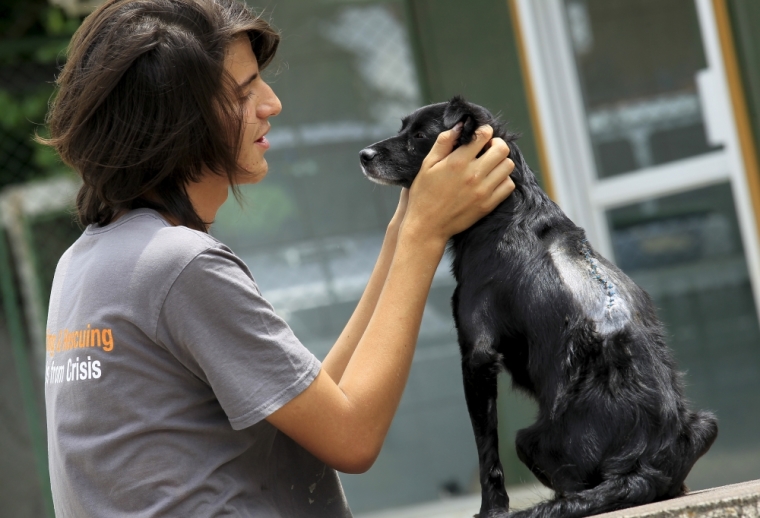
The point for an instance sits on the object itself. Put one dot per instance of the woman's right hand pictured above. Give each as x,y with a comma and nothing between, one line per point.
454,189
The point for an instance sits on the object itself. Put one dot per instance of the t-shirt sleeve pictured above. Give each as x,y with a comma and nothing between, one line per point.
215,321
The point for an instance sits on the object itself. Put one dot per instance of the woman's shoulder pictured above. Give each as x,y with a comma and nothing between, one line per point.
143,245
146,232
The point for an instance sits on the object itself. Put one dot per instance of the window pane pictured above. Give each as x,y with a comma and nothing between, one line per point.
637,61
686,251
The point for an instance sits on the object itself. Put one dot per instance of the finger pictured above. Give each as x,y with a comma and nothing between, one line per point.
482,137
502,192
498,174
495,154
444,144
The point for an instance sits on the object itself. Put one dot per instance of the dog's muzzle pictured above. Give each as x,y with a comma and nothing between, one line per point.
366,155
373,168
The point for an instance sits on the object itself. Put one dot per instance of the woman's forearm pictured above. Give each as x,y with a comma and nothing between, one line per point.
345,424
376,375
340,354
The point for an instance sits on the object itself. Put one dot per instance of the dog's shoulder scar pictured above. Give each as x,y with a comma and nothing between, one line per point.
595,288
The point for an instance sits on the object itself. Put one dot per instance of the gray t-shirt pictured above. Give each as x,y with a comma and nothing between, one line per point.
163,361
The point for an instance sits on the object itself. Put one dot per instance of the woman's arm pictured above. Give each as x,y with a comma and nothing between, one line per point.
336,360
344,424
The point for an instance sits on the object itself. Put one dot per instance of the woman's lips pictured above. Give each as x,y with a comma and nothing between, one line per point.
263,142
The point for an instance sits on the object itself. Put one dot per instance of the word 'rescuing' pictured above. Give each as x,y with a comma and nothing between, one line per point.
65,340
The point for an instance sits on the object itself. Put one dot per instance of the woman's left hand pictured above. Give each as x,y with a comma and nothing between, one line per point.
398,217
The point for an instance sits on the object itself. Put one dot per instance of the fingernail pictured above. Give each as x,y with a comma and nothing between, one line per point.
458,127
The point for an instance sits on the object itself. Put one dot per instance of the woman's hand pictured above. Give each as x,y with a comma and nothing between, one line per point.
455,189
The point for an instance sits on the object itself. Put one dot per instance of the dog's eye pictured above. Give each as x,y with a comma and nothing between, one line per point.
420,135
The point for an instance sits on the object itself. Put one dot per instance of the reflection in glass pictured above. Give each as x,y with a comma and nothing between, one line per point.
686,251
636,62
311,231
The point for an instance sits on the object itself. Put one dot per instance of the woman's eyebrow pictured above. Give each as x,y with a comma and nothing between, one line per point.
249,80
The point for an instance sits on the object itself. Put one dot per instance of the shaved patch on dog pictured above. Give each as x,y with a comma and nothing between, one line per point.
595,288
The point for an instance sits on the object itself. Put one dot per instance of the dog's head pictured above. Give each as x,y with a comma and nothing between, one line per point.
397,160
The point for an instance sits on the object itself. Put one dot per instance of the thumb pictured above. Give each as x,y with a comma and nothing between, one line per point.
444,144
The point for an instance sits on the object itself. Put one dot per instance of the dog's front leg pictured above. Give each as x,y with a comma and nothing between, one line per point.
480,368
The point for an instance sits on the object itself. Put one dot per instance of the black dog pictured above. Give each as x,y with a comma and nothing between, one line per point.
576,334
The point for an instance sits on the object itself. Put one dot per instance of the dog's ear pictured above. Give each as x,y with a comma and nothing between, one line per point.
458,110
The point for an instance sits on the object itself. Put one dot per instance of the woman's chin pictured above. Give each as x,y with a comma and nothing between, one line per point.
253,174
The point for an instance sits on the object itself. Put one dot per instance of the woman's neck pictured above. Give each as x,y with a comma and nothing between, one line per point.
208,194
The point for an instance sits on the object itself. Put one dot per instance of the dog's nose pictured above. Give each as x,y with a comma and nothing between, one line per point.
367,154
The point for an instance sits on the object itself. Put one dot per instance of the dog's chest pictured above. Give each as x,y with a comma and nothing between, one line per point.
474,261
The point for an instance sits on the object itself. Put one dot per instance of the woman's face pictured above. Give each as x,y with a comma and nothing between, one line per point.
259,103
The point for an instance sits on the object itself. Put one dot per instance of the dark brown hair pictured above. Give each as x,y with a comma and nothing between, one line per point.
144,103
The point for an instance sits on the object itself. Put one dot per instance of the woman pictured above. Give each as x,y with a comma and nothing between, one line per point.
172,387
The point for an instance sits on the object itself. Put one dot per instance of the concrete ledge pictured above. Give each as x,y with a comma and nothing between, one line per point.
520,497
734,501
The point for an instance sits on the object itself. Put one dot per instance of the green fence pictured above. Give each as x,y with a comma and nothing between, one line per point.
35,228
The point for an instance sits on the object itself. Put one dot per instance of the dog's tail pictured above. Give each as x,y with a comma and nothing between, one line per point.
629,490
699,433
612,494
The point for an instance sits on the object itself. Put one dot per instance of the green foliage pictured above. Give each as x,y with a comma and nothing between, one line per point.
51,51
18,112
58,24
34,34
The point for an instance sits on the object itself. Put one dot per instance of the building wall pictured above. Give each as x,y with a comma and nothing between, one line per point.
745,20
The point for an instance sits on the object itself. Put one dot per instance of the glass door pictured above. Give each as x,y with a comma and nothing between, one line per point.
644,153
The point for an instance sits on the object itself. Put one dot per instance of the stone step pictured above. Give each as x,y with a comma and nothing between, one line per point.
733,501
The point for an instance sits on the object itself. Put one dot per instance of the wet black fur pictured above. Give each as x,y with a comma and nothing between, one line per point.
614,429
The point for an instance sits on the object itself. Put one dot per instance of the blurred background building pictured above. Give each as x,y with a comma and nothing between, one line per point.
641,118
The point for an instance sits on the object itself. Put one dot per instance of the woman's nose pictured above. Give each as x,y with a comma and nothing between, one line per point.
270,105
